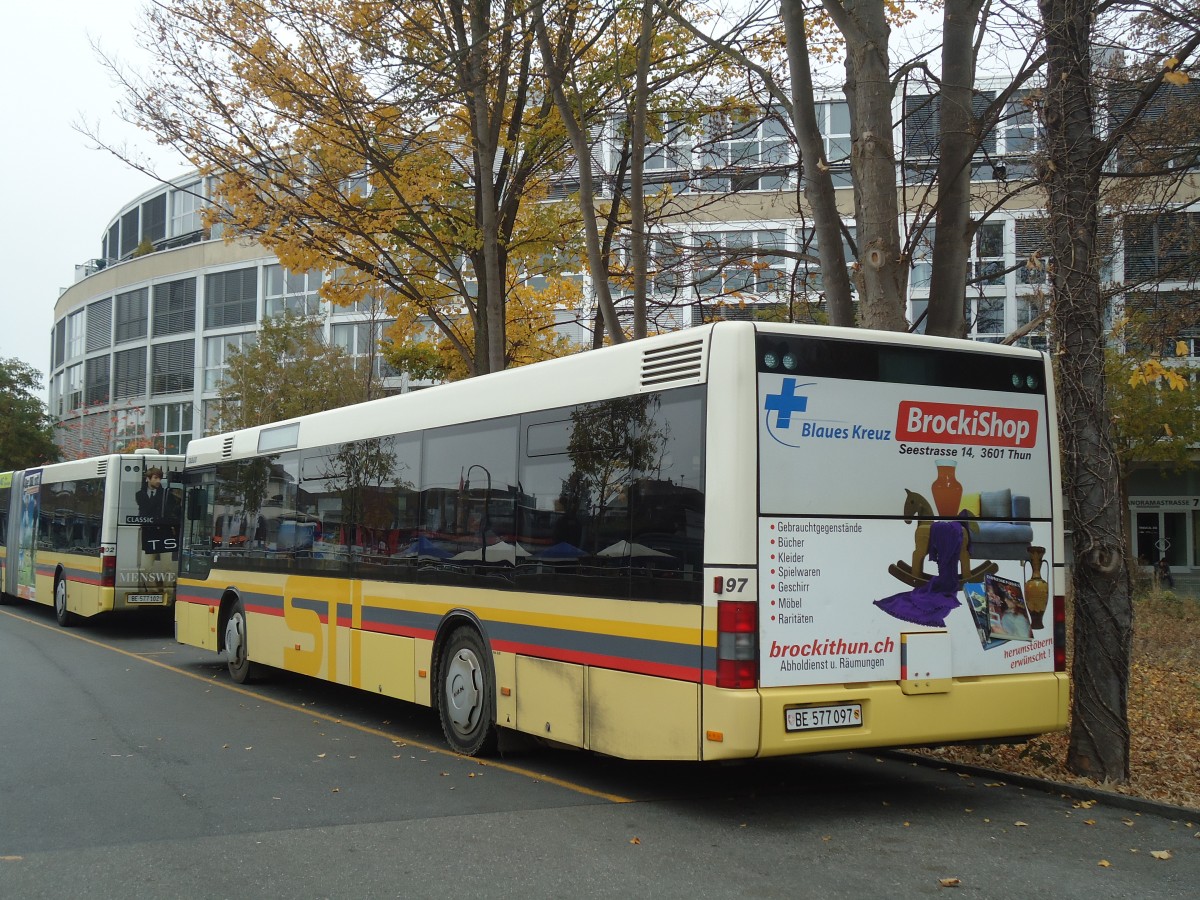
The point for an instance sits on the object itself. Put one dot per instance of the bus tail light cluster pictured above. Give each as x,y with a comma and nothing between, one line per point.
1060,633
108,570
737,644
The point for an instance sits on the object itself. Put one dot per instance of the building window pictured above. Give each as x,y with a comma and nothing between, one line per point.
74,390
112,242
739,262
833,120
231,298
987,259
129,373
1165,247
154,219
130,322
175,307
129,425
172,424
129,233
97,379
743,155
1033,252
171,367
360,341
75,335
186,204
99,324
60,343
294,292
922,134
216,356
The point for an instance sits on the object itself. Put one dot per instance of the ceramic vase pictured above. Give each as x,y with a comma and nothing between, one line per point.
1037,590
947,492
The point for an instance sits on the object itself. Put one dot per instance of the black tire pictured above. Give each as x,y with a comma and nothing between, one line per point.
467,703
237,655
65,617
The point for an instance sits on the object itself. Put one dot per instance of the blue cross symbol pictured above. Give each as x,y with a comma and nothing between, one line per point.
785,403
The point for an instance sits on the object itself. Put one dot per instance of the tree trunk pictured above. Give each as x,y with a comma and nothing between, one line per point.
814,170
1099,739
491,279
577,132
637,166
882,274
958,140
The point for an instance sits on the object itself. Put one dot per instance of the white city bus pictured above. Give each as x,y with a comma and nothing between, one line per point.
92,535
738,540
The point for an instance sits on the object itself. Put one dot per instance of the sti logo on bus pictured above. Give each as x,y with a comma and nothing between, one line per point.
965,423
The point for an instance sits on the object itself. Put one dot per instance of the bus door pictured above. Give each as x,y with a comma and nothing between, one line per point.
27,534
149,515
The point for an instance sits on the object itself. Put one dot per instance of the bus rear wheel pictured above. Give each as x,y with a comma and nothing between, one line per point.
65,617
237,655
468,697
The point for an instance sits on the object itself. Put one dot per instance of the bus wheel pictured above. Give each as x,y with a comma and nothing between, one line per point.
65,617
241,669
468,696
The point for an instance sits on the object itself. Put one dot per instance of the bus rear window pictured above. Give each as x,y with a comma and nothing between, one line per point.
835,358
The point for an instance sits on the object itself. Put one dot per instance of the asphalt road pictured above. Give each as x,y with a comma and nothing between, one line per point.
132,767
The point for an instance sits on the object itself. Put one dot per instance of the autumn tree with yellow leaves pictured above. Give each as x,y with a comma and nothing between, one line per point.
402,149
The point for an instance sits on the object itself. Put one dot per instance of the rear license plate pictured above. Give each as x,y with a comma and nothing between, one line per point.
144,598
810,718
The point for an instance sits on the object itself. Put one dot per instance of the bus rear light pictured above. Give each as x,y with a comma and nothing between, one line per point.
737,644
1060,633
108,570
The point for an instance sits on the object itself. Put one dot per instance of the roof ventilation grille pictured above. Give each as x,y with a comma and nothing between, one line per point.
678,362
227,447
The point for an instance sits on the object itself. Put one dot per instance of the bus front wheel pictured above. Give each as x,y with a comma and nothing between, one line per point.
467,695
237,655
65,617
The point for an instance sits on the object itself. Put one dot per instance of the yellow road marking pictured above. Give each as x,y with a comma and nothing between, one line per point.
365,729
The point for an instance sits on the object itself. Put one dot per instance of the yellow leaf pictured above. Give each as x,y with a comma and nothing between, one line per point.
949,882
1161,854
1181,348
1176,78
1128,822
1105,863
1167,430
320,756
635,840
335,791
1021,824
1171,63
1089,821
1085,804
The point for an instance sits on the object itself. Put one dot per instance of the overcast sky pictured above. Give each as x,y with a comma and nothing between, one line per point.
57,194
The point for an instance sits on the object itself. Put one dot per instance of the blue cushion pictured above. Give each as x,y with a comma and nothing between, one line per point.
996,504
1020,507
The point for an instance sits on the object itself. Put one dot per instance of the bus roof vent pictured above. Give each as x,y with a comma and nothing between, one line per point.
102,467
227,447
677,362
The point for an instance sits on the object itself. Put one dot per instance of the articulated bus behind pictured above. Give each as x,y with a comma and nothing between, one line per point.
737,540
93,535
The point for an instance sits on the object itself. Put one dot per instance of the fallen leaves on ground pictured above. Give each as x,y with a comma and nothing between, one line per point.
1164,714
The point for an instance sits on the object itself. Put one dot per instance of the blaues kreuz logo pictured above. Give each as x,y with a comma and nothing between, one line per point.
779,408
785,403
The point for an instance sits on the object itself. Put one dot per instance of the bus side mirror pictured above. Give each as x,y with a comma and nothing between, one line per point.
197,504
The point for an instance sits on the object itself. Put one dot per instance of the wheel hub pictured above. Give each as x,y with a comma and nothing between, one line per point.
463,691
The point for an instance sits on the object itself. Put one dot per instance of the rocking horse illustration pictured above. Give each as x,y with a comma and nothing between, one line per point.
917,508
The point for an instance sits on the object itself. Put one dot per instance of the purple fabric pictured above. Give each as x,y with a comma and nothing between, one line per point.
929,603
